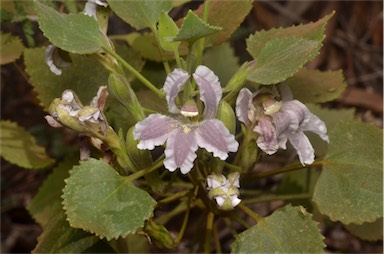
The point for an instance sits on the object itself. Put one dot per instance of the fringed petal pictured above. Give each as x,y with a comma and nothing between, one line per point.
153,131
242,105
181,150
215,137
303,147
172,86
210,90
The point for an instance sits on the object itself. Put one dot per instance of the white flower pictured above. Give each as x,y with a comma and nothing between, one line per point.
224,191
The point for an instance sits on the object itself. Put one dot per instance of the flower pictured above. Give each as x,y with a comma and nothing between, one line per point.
183,136
279,121
56,59
224,191
90,7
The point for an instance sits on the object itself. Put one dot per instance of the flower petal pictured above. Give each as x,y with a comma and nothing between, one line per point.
267,141
242,105
315,125
55,60
153,131
215,137
210,90
303,147
181,150
172,86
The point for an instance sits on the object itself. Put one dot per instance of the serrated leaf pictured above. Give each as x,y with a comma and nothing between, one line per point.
193,28
350,186
311,31
19,147
167,31
287,230
48,198
281,58
84,77
314,86
372,231
100,201
223,69
140,14
218,15
11,48
76,33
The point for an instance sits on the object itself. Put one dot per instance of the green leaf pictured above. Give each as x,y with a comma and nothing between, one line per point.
84,77
287,230
223,69
226,14
281,58
11,48
314,86
100,201
372,231
312,31
48,198
140,14
19,147
350,186
194,28
167,32
76,33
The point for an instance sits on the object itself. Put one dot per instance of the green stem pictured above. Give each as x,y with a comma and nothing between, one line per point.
173,197
185,222
250,213
208,232
202,40
177,57
163,59
216,239
137,74
145,171
276,197
292,167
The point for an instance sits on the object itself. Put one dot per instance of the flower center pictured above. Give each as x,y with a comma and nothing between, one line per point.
186,129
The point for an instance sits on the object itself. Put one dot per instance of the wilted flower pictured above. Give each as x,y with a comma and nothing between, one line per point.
224,191
90,7
56,59
183,135
279,121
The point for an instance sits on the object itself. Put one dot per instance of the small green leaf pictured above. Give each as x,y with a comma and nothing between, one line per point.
194,28
100,201
281,58
76,33
287,230
350,187
140,14
223,69
314,86
19,147
372,231
167,31
84,77
11,48
311,31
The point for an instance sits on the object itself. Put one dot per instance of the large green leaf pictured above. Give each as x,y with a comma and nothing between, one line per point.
140,14
76,33
287,230
314,86
100,201
372,231
19,147
281,58
11,48
84,77
194,28
350,187
312,31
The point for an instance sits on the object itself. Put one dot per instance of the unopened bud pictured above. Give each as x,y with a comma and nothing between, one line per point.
159,235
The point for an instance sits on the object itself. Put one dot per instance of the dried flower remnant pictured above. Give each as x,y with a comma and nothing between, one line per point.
276,122
224,191
182,135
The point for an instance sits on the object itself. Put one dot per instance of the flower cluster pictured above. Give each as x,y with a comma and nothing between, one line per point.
224,191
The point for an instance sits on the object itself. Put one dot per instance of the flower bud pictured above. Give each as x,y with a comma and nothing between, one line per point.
226,114
159,235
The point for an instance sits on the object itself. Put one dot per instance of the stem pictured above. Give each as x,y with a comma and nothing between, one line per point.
185,222
145,171
137,74
177,57
165,62
216,239
202,40
292,167
173,197
208,232
251,213
277,197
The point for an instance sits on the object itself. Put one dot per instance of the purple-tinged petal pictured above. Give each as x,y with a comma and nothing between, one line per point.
242,105
52,122
181,150
153,131
215,137
267,141
210,90
303,147
172,86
